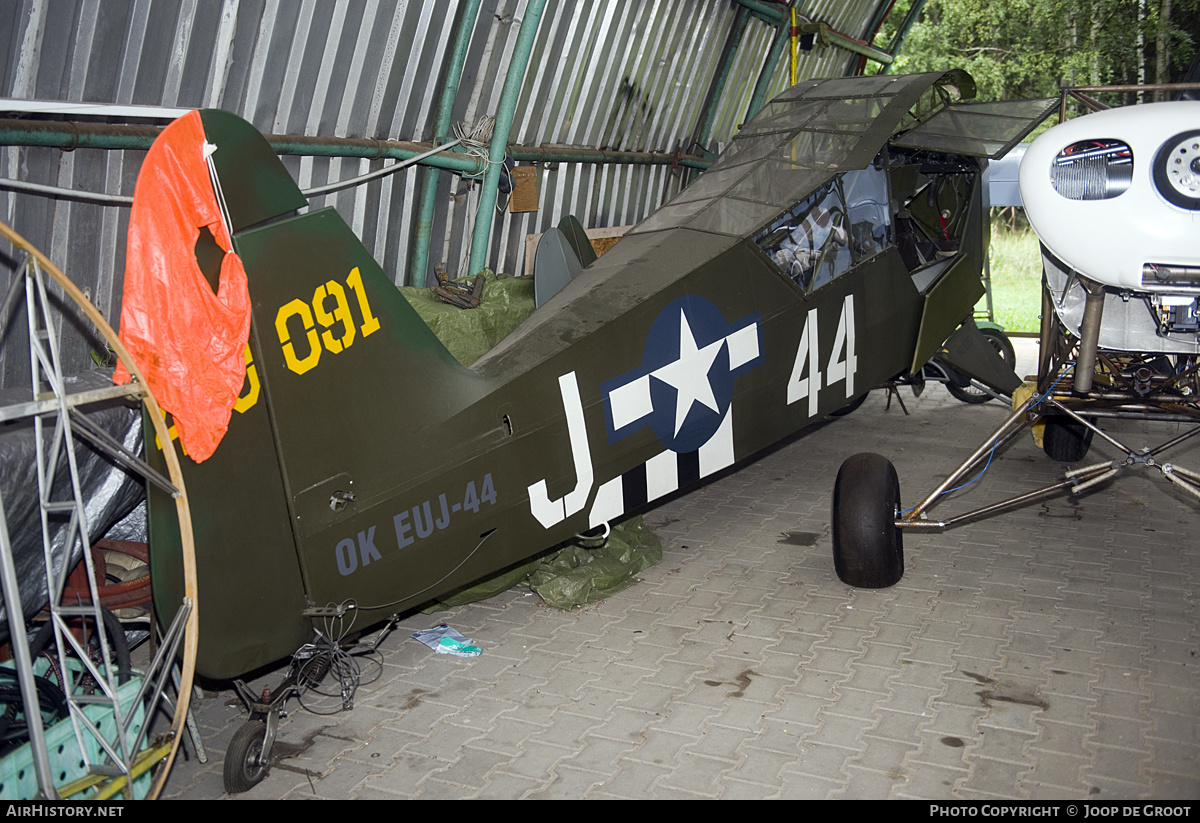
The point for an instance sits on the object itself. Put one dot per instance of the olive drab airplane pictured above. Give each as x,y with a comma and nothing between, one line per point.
836,243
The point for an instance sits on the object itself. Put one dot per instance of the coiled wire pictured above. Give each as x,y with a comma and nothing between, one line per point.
328,672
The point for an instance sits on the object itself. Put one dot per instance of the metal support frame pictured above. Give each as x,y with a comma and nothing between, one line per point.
1059,356
482,233
1076,481
65,136
58,421
914,12
825,35
728,54
1083,94
24,665
767,74
429,183
46,371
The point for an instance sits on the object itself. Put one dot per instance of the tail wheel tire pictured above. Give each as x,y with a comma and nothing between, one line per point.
868,549
1000,342
244,764
1066,440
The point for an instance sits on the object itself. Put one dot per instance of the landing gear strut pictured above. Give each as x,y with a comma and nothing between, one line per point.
867,526
248,758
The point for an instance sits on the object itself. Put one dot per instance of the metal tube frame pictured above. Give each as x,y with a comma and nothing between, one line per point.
1076,481
732,42
482,233
830,36
55,407
429,183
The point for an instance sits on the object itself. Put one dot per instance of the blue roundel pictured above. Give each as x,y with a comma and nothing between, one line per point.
684,386
691,385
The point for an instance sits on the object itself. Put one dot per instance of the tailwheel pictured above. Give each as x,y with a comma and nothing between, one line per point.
244,764
868,549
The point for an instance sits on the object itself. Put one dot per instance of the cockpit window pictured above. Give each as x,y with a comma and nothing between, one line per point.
844,222
868,211
811,241
810,133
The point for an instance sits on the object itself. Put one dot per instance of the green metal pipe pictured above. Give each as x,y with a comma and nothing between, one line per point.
850,44
914,12
429,182
826,35
877,18
503,127
69,136
871,31
718,87
768,70
771,14
775,14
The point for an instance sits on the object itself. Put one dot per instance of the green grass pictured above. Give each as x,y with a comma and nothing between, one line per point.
1016,264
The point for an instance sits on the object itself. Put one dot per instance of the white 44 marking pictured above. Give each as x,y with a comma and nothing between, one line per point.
806,373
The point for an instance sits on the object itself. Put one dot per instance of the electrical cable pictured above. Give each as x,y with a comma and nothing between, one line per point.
482,539
71,194
369,176
996,444
315,663
478,142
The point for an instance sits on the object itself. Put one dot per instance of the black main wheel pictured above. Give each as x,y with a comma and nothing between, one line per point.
1001,343
868,549
244,765
1066,440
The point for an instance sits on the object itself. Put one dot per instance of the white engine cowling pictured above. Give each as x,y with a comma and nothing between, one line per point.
1116,195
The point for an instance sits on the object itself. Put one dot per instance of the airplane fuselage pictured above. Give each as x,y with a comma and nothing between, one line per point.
366,471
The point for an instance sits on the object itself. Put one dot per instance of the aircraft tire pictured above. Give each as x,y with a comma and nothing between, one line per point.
243,769
1066,440
868,549
1001,344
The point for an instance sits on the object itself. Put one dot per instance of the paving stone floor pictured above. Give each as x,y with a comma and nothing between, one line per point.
1052,652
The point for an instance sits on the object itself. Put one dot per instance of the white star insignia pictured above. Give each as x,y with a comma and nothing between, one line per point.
689,374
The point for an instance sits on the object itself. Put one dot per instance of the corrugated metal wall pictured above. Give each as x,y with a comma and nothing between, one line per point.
617,74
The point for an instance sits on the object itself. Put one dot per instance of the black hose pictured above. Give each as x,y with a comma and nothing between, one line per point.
120,645
50,697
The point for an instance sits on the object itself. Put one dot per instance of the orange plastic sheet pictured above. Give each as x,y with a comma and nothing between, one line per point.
188,341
